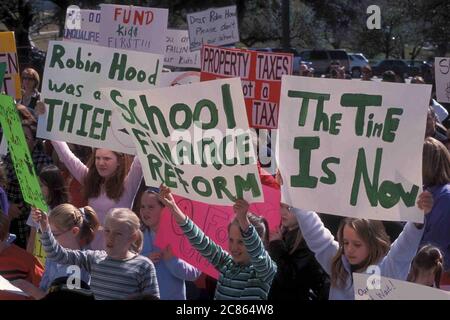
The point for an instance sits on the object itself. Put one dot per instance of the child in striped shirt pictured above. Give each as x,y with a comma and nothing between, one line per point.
246,272
118,272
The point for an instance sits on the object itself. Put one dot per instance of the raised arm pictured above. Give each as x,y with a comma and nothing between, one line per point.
203,244
318,238
76,168
259,257
59,254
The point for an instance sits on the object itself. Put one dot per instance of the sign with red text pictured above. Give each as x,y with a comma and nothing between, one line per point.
260,74
215,26
178,53
213,220
133,28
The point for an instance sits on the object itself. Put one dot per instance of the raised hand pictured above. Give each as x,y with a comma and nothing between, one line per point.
165,195
40,108
425,202
155,256
240,208
40,218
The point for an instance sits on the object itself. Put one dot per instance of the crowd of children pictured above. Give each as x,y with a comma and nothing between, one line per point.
114,254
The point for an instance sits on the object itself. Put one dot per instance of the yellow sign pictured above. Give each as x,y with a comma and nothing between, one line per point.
8,54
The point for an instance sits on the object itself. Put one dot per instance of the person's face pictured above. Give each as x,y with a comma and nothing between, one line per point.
288,219
44,189
118,239
237,247
28,82
426,277
106,162
66,238
355,249
150,210
366,74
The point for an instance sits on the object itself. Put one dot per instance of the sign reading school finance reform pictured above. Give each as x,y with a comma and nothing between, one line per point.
215,26
352,149
8,55
442,72
260,73
193,138
133,28
20,154
376,287
76,110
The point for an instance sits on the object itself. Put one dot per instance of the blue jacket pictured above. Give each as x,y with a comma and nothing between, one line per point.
437,222
394,265
171,273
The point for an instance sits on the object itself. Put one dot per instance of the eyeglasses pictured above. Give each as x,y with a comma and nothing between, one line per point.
60,234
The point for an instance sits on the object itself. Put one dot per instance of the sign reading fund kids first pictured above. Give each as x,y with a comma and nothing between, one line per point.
133,28
352,150
76,111
260,73
193,139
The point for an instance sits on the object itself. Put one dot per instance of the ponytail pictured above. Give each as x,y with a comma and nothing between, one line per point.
89,226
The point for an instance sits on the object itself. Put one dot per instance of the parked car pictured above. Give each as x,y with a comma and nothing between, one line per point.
357,62
400,67
321,59
418,67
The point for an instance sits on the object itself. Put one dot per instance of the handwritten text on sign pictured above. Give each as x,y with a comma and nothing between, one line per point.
76,111
20,154
216,26
351,150
442,72
133,28
189,138
261,74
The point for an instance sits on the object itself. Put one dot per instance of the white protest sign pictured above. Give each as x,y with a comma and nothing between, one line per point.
442,75
86,30
5,285
188,137
76,111
215,26
178,53
170,79
133,28
375,287
352,148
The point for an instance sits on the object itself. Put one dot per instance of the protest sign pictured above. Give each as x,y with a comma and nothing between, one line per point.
215,26
260,73
20,154
133,28
352,149
189,138
170,79
442,75
76,111
177,49
213,220
86,30
8,55
376,287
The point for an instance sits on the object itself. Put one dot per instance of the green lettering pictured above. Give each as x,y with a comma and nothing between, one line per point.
331,176
304,145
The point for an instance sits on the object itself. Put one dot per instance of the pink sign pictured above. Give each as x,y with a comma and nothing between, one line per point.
213,220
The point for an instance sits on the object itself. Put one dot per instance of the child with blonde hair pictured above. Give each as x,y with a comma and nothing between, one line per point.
74,229
119,271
